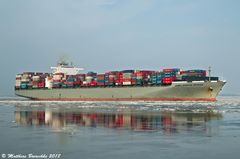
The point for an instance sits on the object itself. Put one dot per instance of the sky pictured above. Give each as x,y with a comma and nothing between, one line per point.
104,35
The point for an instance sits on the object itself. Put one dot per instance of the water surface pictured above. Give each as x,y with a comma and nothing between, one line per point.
121,129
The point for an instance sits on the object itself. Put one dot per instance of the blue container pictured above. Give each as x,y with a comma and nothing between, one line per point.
168,76
91,73
24,86
197,70
56,83
169,73
71,80
127,71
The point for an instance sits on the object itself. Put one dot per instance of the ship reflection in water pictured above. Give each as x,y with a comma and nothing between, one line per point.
168,122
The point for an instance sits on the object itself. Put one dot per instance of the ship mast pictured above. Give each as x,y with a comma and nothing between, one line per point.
209,73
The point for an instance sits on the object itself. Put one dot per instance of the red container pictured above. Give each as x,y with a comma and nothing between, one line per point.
119,82
56,80
41,85
167,80
100,84
93,84
126,80
168,70
78,82
35,82
138,74
70,83
192,74
111,79
83,85
204,74
134,82
100,77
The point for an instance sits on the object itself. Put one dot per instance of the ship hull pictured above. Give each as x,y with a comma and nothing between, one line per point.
178,91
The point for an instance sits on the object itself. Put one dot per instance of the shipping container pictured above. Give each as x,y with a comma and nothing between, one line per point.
167,80
128,71
125,83
171,70
24,85
113,78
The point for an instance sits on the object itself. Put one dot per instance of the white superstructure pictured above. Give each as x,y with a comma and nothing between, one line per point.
66,69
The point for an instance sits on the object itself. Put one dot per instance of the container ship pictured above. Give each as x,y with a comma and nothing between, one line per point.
65,83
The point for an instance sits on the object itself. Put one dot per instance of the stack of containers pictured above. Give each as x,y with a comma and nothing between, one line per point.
43,76
18,81
26,80
63,82
90,79
71,81
154,78
93,83
159,77
147,77
167,81
191,75
80,78
57,80
169,75
134,79
139,77
112,78
127,78
119,79
106,77
38,80
49,82
101,80
198,73
35,81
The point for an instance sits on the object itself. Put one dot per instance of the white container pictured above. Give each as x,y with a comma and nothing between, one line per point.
179,77
35,86
18,83
127,83
18,76
25,80
36,78
89,79
112,76
57,77
26,75
48,82
127,75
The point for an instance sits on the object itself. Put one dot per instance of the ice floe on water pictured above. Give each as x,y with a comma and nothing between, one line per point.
224,104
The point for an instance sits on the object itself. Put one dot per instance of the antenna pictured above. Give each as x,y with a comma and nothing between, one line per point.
63,60
209,73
